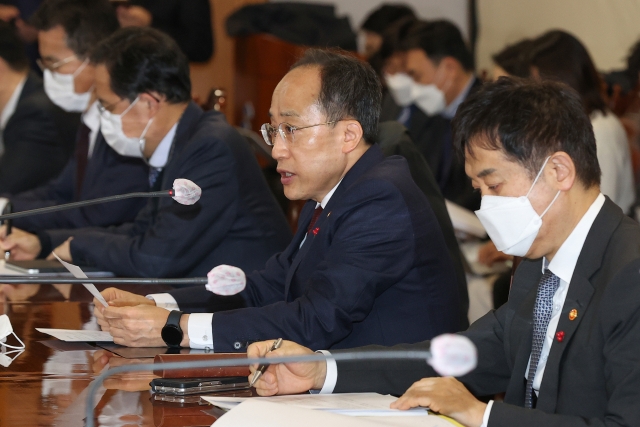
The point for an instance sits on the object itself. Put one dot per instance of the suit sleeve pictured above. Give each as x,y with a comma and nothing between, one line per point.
179,236
491,376
621,329
365,258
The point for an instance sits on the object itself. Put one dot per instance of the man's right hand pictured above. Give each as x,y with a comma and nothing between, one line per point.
286,378
22,245
117,298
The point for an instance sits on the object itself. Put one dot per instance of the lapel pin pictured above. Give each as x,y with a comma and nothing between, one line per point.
329,214
573,314
560,336
315,231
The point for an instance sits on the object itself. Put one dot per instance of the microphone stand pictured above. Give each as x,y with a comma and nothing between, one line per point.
39,280
49,209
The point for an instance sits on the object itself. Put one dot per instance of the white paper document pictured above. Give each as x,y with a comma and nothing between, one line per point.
79,274
72,335
354,404
464,220
258,412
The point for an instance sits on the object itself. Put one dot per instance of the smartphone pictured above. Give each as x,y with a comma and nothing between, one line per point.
186,386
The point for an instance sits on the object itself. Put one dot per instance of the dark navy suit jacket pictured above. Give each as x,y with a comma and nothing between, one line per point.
107,173
374,270
236,221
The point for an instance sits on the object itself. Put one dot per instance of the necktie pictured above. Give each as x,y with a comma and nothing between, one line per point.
154,173
81,155
314,218
541,316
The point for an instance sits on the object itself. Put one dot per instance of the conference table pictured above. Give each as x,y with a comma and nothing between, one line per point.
46,385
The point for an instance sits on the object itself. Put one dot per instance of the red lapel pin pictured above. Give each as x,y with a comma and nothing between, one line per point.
315,230
560,336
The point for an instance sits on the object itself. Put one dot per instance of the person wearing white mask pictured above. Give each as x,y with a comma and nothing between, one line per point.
68,30
564,348
143,92
442,69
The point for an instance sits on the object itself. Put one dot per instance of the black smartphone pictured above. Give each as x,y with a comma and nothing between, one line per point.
186,386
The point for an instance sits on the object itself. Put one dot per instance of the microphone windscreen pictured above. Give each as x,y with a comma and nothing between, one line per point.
186,192
226,280
453,355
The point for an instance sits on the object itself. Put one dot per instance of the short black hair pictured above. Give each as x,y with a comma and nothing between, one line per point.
528,121
86,22
515,59
633,64
560,56
349,88
391,39
11,48
381,18
143,60
439,39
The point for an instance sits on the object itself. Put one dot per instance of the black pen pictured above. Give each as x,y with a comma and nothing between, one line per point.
263,367
7,210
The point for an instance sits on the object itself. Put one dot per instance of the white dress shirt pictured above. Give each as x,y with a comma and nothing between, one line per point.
562,265
9,109
91,118
450,110
160,156
200,328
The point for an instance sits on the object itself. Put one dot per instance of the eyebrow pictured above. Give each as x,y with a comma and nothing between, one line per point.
289,113
486,172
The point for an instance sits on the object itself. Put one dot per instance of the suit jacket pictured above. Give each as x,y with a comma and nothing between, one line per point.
38,140
236,221
375,269
107,173
187,21
433,137
591,377
395,140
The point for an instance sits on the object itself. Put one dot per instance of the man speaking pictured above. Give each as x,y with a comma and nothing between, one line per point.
564,348
368,264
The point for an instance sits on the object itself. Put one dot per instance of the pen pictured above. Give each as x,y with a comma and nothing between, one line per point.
263,367
7,210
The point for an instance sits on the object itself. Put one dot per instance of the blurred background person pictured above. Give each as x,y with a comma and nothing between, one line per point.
378,21
513,61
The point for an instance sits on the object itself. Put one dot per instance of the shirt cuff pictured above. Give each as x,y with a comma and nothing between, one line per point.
487,412
201,330
332,374
165,301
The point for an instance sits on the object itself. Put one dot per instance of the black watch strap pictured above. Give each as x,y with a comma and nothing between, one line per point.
171,332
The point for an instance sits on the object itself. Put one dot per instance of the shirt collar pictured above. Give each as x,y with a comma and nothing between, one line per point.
160,156
91,117
564,262
450,110
12,103
326,198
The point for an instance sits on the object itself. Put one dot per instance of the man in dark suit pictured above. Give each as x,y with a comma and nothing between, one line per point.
68,30
147,110
441,65
368,264
565,346
36,137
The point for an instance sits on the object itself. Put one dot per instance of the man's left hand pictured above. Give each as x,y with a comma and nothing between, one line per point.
138,326
63,251
446,396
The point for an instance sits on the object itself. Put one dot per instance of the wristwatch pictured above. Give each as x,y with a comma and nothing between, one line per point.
171,332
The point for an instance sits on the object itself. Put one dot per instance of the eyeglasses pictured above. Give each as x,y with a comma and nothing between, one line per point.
286,131
55,65
109,107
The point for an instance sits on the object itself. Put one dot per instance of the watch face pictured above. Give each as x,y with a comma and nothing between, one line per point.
171,335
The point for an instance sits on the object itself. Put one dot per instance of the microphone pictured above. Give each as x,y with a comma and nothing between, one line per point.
222,280
454,352
184,192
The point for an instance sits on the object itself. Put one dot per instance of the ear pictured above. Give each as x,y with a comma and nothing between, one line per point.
352,135
153,101
564,170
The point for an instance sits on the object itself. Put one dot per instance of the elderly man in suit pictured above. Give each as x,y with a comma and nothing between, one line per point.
565,346
368,265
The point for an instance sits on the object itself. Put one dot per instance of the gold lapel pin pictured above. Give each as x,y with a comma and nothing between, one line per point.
573,314
329,214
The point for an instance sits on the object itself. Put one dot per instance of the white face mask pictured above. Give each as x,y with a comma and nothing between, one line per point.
428,98
400,87
60,89
111,128
511,222
5,330
7,357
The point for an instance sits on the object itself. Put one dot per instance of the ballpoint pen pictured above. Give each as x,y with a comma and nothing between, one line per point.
263,367
7,210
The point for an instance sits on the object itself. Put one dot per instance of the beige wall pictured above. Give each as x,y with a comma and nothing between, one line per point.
219,71
607,27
